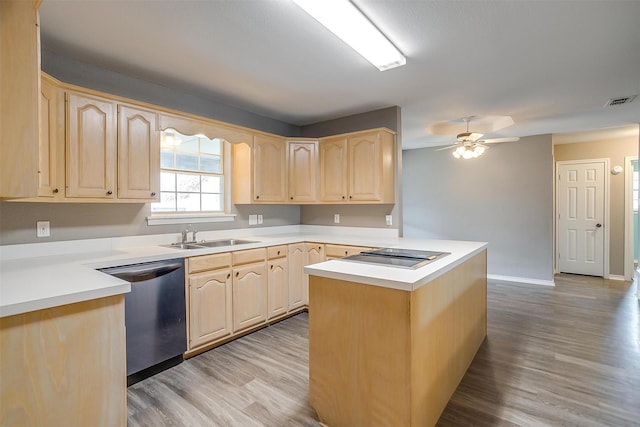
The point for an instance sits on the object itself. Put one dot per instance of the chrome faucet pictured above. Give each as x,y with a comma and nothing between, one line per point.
185,235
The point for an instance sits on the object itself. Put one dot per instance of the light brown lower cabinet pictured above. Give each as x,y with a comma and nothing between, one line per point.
249,295
339,251
231,293
297,286
65,365
278,283
210,309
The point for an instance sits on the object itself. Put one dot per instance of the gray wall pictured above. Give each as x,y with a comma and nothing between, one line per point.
504,197
90,76
74,221
359,215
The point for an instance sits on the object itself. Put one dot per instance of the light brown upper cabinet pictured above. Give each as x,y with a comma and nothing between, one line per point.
259,171
20,82
302,159
51,142
112,148
138,154
333,169
269,169
92,146
358,168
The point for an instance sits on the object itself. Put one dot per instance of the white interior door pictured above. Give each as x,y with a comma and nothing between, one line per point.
581,214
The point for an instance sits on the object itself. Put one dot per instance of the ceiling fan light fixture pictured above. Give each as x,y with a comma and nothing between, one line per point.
345,20
467,152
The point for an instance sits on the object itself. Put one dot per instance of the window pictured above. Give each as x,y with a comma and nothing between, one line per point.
191,174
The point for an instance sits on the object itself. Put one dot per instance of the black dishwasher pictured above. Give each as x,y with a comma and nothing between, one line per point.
155,316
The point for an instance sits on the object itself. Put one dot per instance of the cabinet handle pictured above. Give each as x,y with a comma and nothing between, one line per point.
237,273
228,275
346,252
351,197
257,197
272,266
278,252
342,197
55,191
319,248
291,197
153,194
109,193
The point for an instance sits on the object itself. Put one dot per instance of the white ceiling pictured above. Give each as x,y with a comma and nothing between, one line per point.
551,65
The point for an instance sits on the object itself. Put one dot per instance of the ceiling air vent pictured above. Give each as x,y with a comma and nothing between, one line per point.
619,101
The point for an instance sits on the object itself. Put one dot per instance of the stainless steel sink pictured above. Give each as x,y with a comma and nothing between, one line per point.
209,244
226,242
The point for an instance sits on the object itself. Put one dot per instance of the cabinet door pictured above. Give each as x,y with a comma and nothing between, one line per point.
138,154
315,253
51,143
209,307
365,167
298,293
269,167
333,169
19,78
302,166
249,295
91,146
340,251
278,282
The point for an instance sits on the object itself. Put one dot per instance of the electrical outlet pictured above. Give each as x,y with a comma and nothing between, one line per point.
260,219
336,218
388,219
43,229
253,219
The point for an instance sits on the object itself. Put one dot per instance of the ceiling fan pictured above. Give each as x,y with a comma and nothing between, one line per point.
469,145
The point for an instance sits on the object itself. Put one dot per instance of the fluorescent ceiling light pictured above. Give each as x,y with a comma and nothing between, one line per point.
343,19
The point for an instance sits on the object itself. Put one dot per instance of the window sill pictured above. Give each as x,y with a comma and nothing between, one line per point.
194,218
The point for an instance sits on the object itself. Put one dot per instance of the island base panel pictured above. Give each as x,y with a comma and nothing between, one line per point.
385,357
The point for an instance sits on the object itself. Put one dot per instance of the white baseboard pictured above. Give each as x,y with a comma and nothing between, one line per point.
616,277
519,280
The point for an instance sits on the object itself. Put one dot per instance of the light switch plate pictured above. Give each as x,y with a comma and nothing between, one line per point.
260,218
43,229
253,219
336,218
388,219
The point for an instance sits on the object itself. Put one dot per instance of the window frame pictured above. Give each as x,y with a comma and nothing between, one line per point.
192,217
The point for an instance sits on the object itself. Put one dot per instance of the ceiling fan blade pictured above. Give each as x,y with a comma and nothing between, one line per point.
449,147
475,136
499,140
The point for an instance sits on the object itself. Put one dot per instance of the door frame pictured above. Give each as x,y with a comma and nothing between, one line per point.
605,220
628,217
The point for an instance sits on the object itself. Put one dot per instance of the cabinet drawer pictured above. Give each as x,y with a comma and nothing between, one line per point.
339,251
208,262
248,256
277,251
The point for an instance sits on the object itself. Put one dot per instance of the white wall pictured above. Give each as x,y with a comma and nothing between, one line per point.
504,197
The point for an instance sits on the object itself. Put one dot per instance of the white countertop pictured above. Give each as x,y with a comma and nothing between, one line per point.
395,277
43,275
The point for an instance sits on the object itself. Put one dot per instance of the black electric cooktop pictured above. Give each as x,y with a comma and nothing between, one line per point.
397,257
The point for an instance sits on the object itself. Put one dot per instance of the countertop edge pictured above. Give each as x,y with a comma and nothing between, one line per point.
60,279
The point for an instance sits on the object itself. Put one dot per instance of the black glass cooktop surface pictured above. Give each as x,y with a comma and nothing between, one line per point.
397,257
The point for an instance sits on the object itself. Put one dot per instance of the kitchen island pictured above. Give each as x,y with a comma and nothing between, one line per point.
388,346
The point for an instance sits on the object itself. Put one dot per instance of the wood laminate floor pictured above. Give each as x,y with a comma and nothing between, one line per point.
563,356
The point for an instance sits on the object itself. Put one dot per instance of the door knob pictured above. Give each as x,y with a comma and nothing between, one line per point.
598,225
